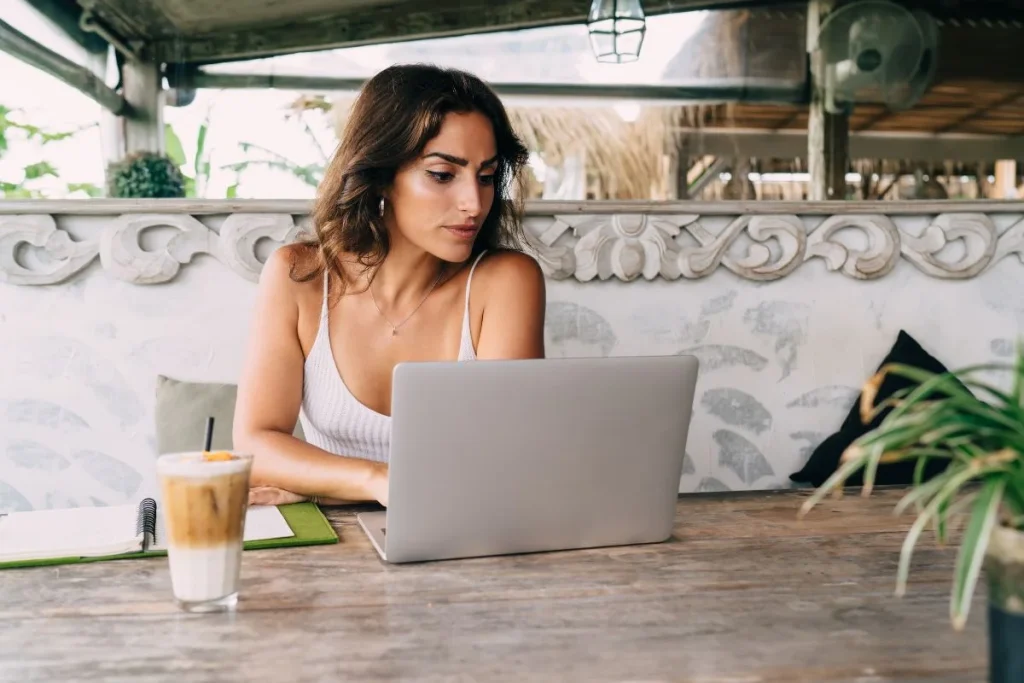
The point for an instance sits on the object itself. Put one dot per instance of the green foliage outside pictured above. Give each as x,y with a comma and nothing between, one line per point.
310,174
12,129
184,171
197,177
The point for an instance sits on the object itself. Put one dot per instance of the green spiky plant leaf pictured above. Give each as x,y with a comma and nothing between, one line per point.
974,425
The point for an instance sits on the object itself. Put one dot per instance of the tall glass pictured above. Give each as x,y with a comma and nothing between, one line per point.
204,500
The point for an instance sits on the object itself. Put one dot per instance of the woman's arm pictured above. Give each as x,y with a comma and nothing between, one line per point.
269,397
515,301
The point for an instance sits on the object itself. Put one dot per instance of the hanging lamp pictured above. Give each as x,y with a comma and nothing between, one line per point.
616,30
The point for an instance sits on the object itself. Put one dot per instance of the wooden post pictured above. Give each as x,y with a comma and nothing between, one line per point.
143,126
1005,186
682,161
828,135
836,155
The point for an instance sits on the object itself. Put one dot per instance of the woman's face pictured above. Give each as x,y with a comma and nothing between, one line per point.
439,201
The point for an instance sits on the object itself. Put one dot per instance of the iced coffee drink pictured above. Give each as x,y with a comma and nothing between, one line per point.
204,500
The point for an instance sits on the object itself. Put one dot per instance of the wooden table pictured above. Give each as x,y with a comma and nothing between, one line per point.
744,593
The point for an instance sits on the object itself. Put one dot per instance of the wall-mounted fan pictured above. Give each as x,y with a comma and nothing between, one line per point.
877,51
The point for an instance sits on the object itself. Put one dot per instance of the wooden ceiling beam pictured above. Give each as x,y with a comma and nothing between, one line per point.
862,145
981,111
925,109
876,119
790,120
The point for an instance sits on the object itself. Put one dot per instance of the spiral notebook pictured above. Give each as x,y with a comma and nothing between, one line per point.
91,534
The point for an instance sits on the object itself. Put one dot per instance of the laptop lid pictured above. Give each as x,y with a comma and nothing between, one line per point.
497,457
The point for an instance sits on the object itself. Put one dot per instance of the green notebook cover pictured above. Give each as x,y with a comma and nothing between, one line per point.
306,520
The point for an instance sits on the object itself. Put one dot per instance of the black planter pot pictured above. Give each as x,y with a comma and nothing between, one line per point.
1005,645
1004,570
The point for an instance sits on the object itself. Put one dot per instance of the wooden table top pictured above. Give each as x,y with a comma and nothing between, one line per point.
743,593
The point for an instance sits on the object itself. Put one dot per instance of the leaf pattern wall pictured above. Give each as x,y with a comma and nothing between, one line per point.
783,345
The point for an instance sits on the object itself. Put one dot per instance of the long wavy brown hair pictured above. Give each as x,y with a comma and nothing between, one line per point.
397,113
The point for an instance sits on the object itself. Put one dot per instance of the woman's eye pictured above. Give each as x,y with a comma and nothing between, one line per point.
440,176
487,180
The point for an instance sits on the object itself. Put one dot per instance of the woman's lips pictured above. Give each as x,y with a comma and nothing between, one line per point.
462,231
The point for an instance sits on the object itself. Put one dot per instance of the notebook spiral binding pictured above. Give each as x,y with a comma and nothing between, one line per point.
146,524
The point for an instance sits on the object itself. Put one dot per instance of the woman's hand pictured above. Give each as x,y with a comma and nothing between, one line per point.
377,487
378,484
271,495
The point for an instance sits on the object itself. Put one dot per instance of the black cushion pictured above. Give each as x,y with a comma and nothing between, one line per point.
824,459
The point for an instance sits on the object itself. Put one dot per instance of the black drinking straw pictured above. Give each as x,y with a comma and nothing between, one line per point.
209,434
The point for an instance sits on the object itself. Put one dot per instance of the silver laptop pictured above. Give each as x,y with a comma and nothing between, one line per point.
502,457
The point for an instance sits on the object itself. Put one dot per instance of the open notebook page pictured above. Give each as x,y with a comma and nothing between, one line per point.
72,532
265,521
100,531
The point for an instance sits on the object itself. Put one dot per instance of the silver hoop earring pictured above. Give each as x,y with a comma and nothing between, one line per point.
382,207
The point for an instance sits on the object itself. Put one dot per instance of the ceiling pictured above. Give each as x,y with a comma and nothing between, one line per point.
171,18
204,31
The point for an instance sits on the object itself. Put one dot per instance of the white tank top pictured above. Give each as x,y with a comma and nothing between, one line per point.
332,417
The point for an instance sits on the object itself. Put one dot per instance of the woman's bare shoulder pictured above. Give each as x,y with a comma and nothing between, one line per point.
289,266
511,283
507,268
511,307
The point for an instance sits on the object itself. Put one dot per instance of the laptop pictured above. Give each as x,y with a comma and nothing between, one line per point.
499,457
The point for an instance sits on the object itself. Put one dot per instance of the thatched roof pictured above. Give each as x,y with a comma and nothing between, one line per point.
744,44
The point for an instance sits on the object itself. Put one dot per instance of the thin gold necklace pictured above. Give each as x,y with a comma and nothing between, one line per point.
394,328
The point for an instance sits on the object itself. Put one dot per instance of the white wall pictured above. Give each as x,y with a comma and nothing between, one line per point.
781,361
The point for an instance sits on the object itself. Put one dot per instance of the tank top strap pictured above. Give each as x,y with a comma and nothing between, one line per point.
323,306
466,350
469,284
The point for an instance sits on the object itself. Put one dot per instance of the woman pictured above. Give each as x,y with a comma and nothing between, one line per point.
415,214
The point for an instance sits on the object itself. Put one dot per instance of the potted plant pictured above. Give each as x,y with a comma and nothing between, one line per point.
145,175
978,428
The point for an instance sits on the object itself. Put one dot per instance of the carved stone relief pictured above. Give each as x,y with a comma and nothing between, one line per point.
626,247
586,247
121,252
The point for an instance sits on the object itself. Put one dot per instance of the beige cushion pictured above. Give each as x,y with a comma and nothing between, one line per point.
182,409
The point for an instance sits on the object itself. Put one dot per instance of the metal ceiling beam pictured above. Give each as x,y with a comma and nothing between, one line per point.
80,78
724,91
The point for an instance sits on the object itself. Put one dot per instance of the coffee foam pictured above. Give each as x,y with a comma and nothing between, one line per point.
195,464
